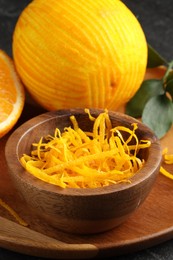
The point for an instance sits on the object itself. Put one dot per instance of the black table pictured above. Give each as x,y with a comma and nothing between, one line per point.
156,18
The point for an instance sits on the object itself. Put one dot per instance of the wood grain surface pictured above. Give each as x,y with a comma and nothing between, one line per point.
156,20
149,225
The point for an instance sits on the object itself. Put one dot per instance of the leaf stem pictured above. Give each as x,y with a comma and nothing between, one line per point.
170,65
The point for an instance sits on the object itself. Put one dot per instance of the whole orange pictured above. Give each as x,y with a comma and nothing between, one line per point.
79,53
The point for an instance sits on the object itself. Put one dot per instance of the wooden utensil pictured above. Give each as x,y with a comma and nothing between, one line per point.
21,241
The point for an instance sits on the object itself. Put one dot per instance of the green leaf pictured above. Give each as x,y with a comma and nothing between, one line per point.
169,88
154,58
148,89
158,114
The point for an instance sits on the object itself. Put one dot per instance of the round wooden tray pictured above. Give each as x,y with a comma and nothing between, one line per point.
151,224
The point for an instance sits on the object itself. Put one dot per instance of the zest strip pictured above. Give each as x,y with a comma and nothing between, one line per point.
168,159
13,213
79,159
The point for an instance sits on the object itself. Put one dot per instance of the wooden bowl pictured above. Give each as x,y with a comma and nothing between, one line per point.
73,210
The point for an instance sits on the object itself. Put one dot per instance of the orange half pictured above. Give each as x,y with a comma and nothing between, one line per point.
12,95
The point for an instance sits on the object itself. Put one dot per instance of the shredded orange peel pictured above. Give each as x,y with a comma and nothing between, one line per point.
79,159
168,159
13,213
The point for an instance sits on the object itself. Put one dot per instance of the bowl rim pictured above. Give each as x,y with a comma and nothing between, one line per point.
142,175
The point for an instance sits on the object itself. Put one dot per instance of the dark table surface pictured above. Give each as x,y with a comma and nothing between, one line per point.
156,18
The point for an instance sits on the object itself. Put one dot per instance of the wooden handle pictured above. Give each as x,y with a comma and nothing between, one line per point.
27,241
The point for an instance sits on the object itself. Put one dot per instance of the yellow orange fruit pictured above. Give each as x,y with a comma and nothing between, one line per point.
11,94
80,53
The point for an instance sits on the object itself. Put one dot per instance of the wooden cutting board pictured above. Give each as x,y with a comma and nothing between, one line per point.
151,224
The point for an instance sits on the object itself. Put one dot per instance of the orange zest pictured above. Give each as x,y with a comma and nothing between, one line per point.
79,159
168,159
11,94
13,213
